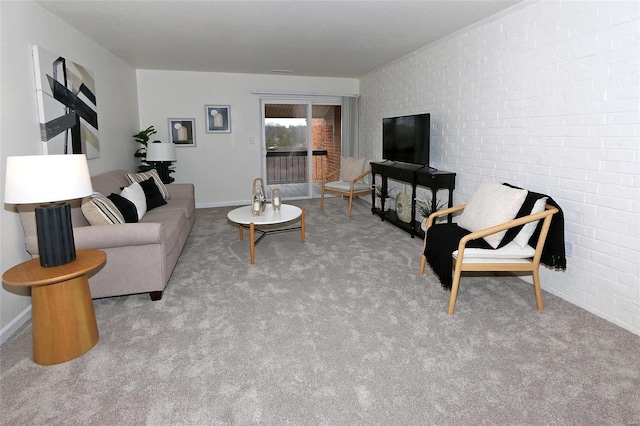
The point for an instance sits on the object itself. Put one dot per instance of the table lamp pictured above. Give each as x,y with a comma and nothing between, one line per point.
51,180
162,154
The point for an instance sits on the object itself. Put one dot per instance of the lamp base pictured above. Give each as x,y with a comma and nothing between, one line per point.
163,170
55,234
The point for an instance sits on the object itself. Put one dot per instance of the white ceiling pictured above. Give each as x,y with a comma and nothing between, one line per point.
313,38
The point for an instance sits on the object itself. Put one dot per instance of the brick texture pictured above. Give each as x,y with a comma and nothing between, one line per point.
546,96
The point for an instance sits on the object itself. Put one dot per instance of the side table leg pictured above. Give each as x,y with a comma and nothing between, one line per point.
64,322
240,227
302,225
252,242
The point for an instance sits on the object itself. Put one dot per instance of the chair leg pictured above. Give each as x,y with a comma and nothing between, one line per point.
537,289
350,201
423,263
454,290
322,199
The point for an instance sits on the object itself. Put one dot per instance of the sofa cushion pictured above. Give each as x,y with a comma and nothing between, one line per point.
172,224
112,181
183,206
490,205
153,173
135,194
510,251
99,210
126,207
152,194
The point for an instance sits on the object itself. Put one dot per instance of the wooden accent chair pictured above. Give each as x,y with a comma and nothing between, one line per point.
502,259
350,181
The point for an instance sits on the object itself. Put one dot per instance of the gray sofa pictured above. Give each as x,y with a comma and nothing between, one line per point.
140,256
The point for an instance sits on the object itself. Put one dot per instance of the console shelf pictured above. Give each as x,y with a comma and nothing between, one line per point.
415,175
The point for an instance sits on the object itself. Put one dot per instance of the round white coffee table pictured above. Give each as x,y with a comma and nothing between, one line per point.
244,217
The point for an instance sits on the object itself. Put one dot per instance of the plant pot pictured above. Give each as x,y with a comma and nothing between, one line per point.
387,203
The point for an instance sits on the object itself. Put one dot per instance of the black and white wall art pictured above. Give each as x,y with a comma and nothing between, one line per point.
181,131
67,108
218,118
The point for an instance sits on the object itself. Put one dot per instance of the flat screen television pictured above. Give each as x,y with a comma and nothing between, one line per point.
406,139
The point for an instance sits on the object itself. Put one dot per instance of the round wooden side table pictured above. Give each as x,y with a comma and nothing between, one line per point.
63,320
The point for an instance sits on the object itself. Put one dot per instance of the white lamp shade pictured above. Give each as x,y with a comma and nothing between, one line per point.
46,178
161,152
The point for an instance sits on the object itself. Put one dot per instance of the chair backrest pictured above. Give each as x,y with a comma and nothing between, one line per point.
351,167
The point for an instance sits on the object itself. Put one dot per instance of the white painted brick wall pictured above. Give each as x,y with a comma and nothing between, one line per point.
546,96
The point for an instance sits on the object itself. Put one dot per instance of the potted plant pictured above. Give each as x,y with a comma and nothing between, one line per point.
380,195
424,208
142,137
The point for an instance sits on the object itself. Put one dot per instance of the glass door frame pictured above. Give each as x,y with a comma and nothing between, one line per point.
309,101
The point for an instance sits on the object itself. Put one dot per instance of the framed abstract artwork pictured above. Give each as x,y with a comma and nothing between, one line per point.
182,131
67,107
218,118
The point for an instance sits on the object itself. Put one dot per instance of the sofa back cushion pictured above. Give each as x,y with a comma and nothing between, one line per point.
112,181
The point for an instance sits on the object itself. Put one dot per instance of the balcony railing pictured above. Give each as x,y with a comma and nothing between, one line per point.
290,165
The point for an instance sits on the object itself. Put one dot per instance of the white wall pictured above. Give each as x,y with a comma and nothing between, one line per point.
24,24
545,96
221,165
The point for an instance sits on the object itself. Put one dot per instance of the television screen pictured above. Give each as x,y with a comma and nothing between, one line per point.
406,139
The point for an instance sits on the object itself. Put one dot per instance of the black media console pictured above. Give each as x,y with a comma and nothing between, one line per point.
415,175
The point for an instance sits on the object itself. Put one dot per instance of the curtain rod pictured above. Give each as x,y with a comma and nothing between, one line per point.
342,95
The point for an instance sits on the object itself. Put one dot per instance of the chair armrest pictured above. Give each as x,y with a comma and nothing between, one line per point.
432,217
329,175
549,211
359,177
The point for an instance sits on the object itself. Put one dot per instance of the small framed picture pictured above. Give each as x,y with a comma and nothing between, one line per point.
182,131
218,118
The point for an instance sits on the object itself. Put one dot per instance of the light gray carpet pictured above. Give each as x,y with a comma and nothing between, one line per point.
338,331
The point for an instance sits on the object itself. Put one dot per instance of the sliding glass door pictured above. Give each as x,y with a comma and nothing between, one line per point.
301,138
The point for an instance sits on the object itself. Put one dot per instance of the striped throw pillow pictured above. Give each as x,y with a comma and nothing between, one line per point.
99,210
153,173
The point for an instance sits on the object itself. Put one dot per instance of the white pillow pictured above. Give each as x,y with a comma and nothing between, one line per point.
135,194
351,168
490,205
522,239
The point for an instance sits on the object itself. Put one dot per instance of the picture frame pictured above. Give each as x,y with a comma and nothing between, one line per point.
182,131
67,106
217,118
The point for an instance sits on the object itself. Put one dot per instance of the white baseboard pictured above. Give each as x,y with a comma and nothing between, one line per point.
8,330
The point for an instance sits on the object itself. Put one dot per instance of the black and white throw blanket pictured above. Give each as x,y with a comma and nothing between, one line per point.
443,240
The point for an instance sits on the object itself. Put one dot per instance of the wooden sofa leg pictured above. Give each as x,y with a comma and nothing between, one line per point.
423,263
155,295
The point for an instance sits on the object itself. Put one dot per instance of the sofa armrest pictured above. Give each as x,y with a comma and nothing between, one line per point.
181,190
120,235
109,236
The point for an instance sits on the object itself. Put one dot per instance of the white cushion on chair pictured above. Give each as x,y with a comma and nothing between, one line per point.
346,186
351,168
490,205
529,228
511,251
